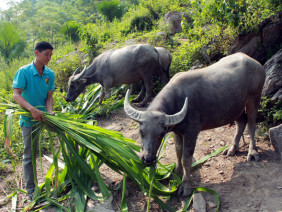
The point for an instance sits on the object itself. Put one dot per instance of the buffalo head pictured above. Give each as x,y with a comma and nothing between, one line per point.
153,127
77,83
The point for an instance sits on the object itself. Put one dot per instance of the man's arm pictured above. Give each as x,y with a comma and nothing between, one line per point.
36,114
49,102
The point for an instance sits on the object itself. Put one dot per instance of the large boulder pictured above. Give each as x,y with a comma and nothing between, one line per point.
173,21
273,82
263,41
275,134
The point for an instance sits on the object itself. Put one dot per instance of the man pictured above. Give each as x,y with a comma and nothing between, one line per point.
34,85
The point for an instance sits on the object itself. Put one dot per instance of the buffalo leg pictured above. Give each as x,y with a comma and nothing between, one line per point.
252,108
102,95
107,93
241,123
189,143
164,78
141,93
149,89
179,149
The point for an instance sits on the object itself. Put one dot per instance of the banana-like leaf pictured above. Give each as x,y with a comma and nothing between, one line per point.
123,206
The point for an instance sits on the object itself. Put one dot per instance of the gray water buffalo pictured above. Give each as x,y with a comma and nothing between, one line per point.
226,91
165,60
127,65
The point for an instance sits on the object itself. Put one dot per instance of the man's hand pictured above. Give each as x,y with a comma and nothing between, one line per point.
37,114
51,113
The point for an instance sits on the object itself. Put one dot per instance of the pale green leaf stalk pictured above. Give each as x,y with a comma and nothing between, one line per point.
123,207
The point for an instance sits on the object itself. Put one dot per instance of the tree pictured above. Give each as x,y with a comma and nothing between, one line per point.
111,9
11,43
71,30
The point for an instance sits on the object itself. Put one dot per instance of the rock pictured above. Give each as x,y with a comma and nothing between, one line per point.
262,41
275,134
163,35
197,65
199,203
173,21
273,82
130,42
105,206
111,45
211,205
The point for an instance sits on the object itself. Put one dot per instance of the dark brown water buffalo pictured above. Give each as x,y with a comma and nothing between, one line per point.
127,65
226,91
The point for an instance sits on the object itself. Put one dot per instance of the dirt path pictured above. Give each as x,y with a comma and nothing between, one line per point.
242,186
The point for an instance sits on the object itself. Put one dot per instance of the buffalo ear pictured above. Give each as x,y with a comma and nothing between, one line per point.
83,80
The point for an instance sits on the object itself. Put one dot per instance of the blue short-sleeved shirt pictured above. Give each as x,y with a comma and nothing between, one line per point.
35,88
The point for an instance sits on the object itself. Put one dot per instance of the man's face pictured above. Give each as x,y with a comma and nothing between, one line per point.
44,56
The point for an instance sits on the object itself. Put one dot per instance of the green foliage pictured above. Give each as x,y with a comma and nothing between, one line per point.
7,72
111,9
90,33
161,7
141,22
270,113
64,68
71,30
244,15
138,20
11,43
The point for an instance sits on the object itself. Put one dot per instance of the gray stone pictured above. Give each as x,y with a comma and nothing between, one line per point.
199,203
262,41
273,82
163,35
105,206
275,134
174,19
130,42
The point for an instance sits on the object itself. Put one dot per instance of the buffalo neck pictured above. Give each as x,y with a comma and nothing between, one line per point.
167,102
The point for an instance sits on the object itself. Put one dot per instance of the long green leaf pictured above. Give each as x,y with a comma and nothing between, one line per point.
123,206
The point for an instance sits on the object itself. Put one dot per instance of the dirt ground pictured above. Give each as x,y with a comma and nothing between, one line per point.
241,185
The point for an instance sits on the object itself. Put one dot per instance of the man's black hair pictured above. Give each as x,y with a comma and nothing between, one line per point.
43,45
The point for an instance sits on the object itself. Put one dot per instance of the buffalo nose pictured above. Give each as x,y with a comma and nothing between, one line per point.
149,160
67,99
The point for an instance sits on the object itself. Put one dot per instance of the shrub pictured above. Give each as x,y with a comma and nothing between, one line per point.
11,43
71,30
137,20
91,34
270,113
111,9
64,68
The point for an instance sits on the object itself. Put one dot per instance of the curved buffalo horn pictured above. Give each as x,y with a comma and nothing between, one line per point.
79,76
84,69
76,71
130,111
171,120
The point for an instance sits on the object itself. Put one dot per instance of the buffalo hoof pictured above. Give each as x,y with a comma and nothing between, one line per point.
231,151
253,154
184,190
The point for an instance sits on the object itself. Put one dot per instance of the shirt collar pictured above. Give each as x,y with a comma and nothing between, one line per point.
35,72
